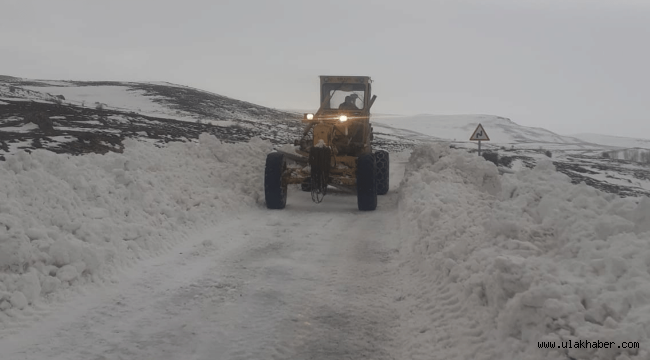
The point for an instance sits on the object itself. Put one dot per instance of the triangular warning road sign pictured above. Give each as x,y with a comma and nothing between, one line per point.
480,134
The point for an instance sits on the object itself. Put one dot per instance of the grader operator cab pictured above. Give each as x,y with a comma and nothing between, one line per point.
334,150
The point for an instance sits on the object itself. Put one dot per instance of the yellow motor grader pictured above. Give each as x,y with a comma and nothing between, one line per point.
334,150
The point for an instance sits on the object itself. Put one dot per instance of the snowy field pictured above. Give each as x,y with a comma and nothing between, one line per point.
170,253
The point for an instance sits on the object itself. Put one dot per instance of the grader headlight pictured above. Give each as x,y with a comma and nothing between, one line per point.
309,116
343,118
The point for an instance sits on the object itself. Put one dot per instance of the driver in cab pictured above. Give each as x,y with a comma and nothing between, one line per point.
349,103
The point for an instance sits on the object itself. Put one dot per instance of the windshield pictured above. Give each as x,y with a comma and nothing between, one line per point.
344,96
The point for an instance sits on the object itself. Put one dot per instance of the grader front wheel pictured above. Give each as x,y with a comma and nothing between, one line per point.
383,171
275,191
366,183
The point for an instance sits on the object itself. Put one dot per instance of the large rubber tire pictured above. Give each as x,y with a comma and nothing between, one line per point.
366,183
306,185
274,191
383,171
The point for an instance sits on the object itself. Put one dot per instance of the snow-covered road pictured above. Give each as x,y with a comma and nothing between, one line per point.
308,282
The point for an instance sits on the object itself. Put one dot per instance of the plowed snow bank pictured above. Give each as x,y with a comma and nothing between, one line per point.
71,220
500,263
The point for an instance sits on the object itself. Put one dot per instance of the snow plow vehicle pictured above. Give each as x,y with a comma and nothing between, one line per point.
334,150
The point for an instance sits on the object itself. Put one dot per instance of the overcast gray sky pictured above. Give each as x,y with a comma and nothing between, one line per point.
565,65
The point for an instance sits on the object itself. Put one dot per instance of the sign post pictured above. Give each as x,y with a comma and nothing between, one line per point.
479,135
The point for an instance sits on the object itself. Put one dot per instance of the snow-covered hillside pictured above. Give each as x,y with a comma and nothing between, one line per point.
156,99
614,141
80,117
501,131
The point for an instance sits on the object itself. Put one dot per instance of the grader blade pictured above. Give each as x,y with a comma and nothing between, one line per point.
294,156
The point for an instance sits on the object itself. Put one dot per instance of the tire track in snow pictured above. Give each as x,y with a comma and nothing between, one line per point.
440,327
351,320
124,320
330,314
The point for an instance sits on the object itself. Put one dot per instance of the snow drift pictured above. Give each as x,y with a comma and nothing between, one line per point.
68,220
499,264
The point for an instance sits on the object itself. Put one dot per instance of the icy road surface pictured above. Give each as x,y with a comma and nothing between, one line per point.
308,282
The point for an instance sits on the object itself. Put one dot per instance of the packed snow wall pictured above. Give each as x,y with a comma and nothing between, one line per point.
67,220
499,267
